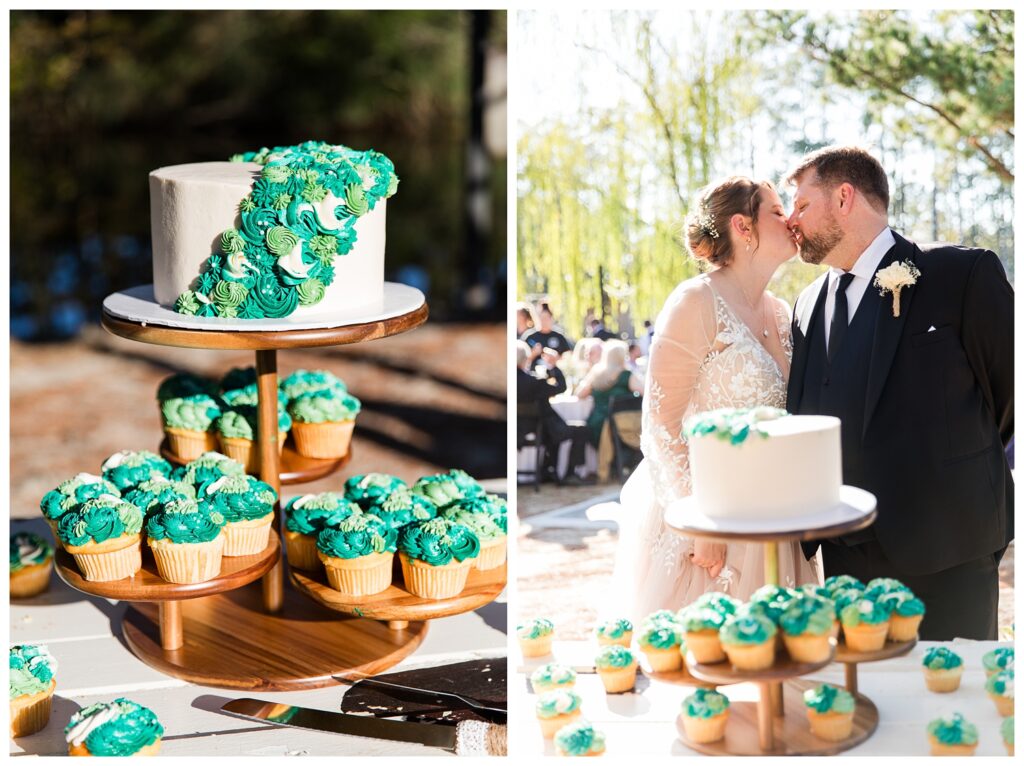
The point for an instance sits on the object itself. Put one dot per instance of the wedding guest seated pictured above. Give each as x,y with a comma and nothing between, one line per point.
585,354
538,388
526,320
545,334
609,377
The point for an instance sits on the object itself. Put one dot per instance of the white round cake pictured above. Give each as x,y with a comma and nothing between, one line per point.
297,232
764,463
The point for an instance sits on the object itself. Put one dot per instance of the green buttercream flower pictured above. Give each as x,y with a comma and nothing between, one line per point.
191,413
1000,684
902,603
281,240
207,468
773,600
745,629
242,422
324,406
558,702
864,611
1000,658
808,614
941,658
277,174
184,522
28,549
720,602
661,635
361,534
314,193
954,731
246,205
97,520
440,489
310,292
73,492
535,628
32,669
229,295
438,542
281,201
827,698
579,739
368,489
615,628
881,586
126,469
552,675
238,498
841,582
483,526
308,514
231,241
1006,730
272,299
187,303
695,619
324,246
355,200
843,597
153,495
127,727
705,703
615,656
730,424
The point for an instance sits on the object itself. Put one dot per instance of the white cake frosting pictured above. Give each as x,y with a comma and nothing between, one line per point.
192,205
786,466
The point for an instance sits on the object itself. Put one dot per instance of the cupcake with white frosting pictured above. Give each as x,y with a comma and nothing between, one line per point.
118,728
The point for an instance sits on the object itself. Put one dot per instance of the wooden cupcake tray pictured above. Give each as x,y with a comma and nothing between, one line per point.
294,468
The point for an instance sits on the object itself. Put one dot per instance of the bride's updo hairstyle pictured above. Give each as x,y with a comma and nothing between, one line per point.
707,225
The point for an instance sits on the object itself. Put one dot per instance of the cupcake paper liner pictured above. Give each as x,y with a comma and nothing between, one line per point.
943,680
536,647
618,680
866,638
247,538
323,440
361,576
31,712
31,580
940,749
835,727
492,554
705,646
550,726
188,445
807,647
663,660
705,730
904,628
110,560
185,563
433,582
751,657
301,551
1003,704
539,687
247,451
147,750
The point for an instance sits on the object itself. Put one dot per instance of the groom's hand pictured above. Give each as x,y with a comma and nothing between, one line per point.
709,555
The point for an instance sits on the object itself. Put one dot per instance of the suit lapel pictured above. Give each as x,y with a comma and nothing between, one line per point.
804,325
888,329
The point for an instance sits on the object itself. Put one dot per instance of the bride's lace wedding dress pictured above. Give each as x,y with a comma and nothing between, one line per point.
695,365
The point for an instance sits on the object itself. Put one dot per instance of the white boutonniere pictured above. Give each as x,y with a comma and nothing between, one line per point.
894,278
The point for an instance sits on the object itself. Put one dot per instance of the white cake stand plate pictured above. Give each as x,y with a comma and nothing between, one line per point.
137,304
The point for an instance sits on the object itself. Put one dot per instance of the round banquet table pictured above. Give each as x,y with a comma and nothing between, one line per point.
573,411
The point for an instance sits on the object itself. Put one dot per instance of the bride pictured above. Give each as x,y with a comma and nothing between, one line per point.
721,340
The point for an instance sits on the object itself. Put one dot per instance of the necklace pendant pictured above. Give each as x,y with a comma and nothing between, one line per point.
764,332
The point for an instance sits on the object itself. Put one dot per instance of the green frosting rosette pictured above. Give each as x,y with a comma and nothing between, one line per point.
438,541
880,586
865,611
902,603
810,589
694,618
731,424
74,492
558,702
359,535
242,422
535,628
773,600
324,406
494,506
402,507
370,488
941,658
1000,658
843,597
118,728
250,396
722,603
440,489
1006,730
705,703
829,699
127,469
184,384
841,582
183,521
615,656
238,498
579,739
747,628
102,518
28,549
553,674
661,635
470,487
1000,684
305,381
151,496
808,614
32,669
208,468
614,628
308,514
483,526
954,731
191,413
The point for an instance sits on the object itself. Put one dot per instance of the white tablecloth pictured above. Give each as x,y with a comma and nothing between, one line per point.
574,411
643,725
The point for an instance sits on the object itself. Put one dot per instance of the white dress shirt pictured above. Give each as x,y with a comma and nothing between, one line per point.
863,273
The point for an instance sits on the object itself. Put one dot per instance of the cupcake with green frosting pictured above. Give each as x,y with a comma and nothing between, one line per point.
772,601
661,643
305,517
865,624
999,688
953,736
748,638
1000,658
103,535
906,613
72,493
152,495
187,542
189,424
33,672
535,636
557,708
436,557
322,423
370,489
237,433
127,469
579,738
358,553
830,711
842,582
615,631
493,506
250,396
206,469
616,665
943,669
1006,730
705,715
700,624
31,564
247,505
442,489
118,728
492,537
807,628
552,676
402,507
309,381
881,586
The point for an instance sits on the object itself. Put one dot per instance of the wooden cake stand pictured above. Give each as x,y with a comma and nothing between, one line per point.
763,728
226,635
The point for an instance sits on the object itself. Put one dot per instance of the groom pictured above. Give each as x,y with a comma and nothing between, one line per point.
922,379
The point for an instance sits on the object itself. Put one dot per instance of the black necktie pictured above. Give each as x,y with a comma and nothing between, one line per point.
840,317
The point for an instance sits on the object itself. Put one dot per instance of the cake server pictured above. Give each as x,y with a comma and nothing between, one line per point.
445,700
465,738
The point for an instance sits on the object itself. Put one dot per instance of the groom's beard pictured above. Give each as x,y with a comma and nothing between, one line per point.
815,249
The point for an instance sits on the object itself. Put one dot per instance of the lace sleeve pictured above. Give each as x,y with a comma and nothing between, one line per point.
684,336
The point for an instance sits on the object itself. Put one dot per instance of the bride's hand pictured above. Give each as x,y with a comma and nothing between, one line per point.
709,555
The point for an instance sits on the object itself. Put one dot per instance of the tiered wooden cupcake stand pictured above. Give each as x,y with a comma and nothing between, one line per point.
219,633
763,727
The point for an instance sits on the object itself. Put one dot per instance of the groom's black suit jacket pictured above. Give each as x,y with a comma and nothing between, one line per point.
934,408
